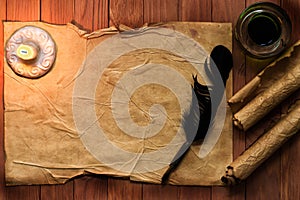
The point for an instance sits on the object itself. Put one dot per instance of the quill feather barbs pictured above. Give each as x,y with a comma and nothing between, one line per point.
221,58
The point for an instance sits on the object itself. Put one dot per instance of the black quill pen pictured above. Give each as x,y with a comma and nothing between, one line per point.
222,59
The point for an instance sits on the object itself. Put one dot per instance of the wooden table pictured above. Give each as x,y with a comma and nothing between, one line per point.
278,178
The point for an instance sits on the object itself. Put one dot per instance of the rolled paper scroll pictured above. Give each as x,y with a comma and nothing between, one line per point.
269,88
264,147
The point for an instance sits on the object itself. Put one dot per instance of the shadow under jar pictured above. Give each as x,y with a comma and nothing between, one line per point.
263,29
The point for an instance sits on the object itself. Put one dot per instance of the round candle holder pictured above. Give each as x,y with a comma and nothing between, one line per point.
263,29
30,52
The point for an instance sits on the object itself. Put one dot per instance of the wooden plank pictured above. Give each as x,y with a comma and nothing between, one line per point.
195,10
2,158
160,11
90,187
23,11
253,67
23,192
228,193
249,2
155,13
57,12
262,126
292,9
264,183
123,189
290,173
91,15
229,11
290,157
153,192
86,15
127,12
64,192
101,14
194,193
222,12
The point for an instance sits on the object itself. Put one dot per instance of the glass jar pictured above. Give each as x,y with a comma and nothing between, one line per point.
263,29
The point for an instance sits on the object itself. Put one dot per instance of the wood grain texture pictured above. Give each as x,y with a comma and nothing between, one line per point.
64,192
195,10
101,14
225,13
277,178
194,193
2,157
221,12
160,11
84,14
265,181
127,12
89,187
23,192
269,172
292,8
91,15
87,17
290,173
238,73
153,192
123,189
290,157
23,11
56,11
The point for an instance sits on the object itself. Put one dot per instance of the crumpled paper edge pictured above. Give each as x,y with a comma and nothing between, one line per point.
244,95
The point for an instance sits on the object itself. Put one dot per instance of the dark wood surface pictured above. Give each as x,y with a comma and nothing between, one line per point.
277,178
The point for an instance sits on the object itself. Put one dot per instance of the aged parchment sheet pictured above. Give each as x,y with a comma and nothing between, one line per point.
115,104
